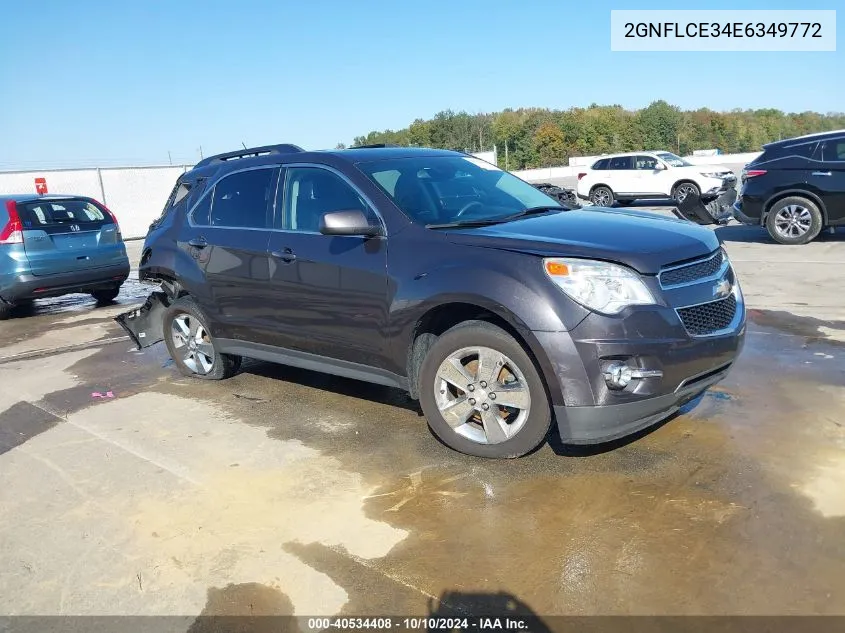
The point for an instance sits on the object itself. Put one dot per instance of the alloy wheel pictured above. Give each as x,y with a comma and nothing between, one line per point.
793,221
602,198
683,191
192,341
482,395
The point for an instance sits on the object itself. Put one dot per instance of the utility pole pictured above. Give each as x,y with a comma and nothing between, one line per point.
201,152
169,157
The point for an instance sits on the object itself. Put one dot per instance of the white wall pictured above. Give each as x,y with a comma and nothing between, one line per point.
136,195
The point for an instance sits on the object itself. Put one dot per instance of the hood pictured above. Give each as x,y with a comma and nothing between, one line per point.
710,169
643,241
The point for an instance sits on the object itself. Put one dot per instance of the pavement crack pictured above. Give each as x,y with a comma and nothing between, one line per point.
42,353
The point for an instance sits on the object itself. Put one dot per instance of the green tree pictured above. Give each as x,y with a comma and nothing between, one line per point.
550,144
540,137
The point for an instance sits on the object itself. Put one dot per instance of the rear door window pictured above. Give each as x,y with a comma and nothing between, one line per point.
834,150
244,200
620,162
62,215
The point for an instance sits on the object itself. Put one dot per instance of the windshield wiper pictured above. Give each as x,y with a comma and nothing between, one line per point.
499,220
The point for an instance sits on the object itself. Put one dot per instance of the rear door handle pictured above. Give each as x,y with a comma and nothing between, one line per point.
198,242
822,173
286,255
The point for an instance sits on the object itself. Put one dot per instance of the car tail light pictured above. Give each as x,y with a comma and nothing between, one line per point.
113,219
581,175
12,233
753,173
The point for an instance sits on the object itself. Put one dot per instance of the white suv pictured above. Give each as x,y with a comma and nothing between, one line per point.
651,175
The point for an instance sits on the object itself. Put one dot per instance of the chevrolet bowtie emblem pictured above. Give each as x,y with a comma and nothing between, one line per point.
722,289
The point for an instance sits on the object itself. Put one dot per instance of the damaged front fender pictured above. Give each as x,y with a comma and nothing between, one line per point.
145,325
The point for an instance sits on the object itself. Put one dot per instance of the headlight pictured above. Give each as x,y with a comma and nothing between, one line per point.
599,286
712,175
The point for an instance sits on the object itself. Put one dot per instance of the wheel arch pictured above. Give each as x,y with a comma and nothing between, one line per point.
682,181
802,193
441,317
601,184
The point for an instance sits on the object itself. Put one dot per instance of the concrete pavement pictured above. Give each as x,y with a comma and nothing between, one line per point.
285,491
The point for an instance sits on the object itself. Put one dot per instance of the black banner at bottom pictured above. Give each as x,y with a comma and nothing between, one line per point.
401,624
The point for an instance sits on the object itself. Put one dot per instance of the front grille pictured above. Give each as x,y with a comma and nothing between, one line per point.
692,272
710,317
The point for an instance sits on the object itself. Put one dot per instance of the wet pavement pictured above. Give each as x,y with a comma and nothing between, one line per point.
284,491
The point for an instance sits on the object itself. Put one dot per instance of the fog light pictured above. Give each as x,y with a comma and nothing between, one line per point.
619,375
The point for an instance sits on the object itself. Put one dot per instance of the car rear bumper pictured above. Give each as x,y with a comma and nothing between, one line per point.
28,286
740,210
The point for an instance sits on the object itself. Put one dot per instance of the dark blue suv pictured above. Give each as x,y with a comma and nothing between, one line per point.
440,274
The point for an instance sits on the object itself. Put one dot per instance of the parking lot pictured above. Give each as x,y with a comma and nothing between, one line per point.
128,489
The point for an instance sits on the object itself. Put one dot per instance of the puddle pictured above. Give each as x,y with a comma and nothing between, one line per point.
830,331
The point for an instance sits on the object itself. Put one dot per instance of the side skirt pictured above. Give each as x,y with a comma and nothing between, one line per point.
313,362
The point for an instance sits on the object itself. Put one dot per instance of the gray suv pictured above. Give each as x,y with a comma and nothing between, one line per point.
57,245
440,274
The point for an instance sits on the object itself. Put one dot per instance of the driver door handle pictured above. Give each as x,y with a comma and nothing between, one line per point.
198,242
286,255
822,173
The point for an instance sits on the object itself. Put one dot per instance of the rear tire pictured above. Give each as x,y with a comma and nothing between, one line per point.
5,311
501,410
601,196
625,203
106,295
794,220
191,346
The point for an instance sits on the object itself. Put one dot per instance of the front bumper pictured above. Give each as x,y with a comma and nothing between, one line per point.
649,340
597,424
28,286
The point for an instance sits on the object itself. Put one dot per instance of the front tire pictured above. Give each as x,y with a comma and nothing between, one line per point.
794,220
601,196
683,189
482,394
191,347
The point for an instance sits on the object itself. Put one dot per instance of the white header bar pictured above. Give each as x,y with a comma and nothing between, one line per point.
723,30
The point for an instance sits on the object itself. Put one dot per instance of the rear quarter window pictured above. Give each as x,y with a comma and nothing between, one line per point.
601,164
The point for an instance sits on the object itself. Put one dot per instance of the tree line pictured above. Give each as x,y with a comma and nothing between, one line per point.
539,137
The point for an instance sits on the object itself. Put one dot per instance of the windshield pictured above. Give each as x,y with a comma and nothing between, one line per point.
446,189
675,161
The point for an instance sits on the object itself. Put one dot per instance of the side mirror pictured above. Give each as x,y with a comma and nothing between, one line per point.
659,166
351,222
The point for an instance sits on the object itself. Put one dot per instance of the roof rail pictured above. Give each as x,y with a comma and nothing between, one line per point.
284,148
375,146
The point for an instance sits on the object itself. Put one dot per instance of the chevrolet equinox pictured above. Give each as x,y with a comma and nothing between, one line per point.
440,274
